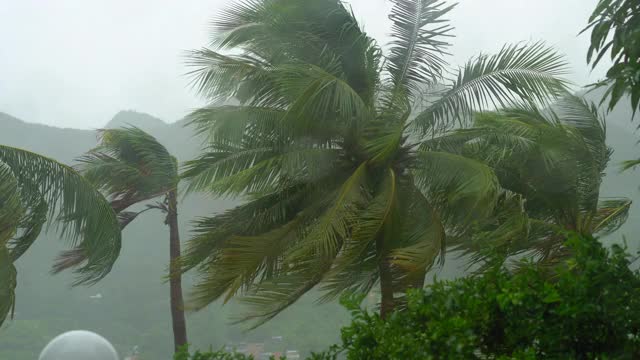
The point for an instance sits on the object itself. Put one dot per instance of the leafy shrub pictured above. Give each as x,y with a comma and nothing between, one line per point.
184,354
587,307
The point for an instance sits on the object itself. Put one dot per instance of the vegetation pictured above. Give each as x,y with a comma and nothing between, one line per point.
585,307
132,167
614,28
329,148
35,189
567,311
550,164
183,354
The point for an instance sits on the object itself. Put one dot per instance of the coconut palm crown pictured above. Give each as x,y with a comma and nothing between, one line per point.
325,146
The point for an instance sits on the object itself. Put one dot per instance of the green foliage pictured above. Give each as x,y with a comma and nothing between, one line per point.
184,354
550,165
325,145
35,189
614,27
586,307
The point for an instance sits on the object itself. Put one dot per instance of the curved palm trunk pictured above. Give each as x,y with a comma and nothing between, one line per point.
387,301
175,278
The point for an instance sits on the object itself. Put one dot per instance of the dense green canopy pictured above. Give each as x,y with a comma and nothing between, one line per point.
550,164
327,147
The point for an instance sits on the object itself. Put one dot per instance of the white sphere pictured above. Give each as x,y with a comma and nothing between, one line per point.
79,345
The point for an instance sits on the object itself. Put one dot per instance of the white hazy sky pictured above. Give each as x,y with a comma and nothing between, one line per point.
75,63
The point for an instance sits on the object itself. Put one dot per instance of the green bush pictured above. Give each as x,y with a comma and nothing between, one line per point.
587,307
184,354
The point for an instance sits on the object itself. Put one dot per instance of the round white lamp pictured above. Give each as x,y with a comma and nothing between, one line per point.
79,345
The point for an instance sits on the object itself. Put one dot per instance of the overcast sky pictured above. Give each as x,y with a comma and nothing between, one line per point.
75,63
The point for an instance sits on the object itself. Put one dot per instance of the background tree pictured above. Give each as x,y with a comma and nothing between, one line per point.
35,189
325,146
132,167
550,164
614,28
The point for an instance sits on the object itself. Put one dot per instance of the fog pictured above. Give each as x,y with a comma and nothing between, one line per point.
76,63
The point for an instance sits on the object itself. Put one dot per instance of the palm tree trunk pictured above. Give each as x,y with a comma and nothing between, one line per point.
175,278
387,302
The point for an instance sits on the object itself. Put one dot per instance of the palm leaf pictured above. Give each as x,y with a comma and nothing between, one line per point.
83,214
610,216
463,180
356,265
418,45
516,72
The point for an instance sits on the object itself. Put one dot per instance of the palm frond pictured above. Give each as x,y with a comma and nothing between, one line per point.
610,216
11,207
418,45
463,180
357,256
531,72
424,239
241,171
219,77
82,213
130,166
327,234
7,284
30,227
242,260
324,32
229,124
270,298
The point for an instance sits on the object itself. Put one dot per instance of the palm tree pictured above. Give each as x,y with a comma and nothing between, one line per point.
132,167
550,164
325,147
34,190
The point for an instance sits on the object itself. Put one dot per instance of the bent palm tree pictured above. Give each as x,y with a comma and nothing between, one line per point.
325,147
550,164
132,167
35,189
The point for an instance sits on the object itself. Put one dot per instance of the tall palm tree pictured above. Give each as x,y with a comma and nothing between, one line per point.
34,191
131,167
325,146
550,164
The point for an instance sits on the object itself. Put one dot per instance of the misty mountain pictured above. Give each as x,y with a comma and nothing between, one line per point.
133,306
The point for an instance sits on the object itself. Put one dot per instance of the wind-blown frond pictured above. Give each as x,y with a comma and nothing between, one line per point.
326,235
611,215
238,171
424,234
229,124
324,122
82,213
270,298
7,284
516,72
357,256
418,45
30,227
130,166
242,260
464,180
219,77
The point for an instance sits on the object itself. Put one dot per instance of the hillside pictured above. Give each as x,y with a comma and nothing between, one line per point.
133,308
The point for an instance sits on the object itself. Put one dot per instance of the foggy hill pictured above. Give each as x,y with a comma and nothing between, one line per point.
134,305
